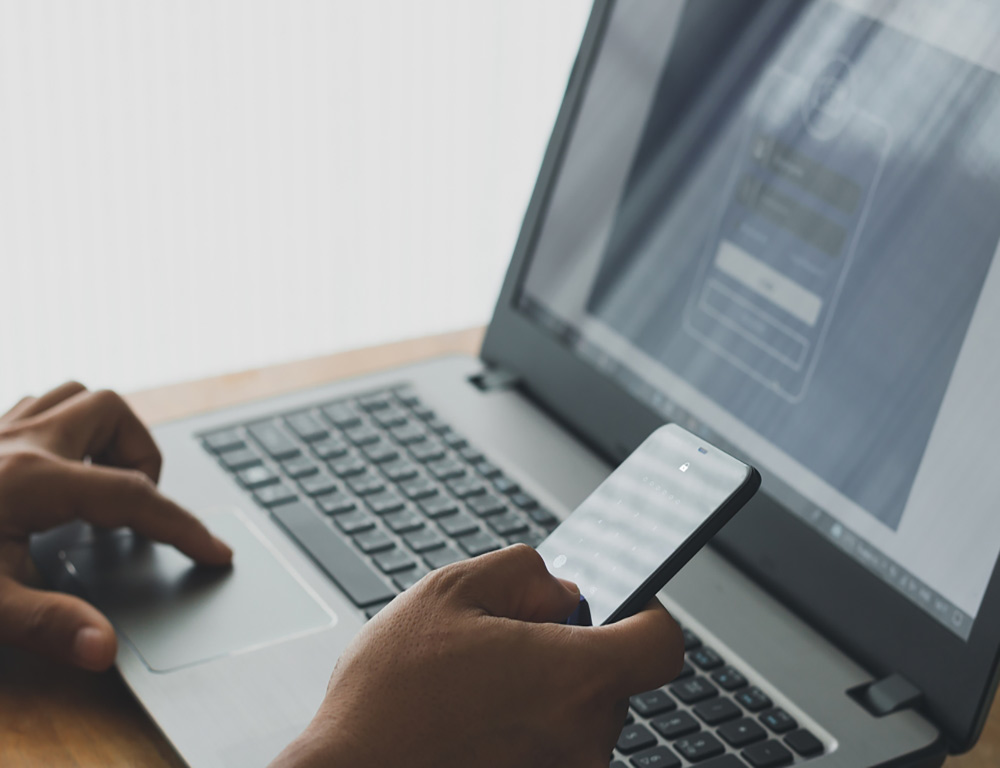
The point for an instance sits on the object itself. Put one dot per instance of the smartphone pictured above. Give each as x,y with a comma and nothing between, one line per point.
646,520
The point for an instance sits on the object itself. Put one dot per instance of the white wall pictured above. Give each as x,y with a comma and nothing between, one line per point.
198,186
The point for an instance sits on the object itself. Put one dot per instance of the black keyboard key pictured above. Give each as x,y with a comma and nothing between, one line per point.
486,504
306,426
399,470
439,506
403,521
729,678
333,447
618,764
318,484
384,502
464,487
366,484
635,737
362,435
487,470
470,454
424,540
657,757
530,537
767,754
226,440
256,477
778,720
334,555
376,401
543,517
422,412
803,742
652,703
276,443
478,543
348,466
705,658
699,746
408,434
391,417
374,540
505,485
742,732
354,522
446,555
380,452
446,469
394,560
342,415
300,466
691,640
524,501
438,425
686,671
426,451
452,439
241,458
717,710
693,690
273,495
336,503
675,725
407,396
753,699
458,524
507,523
406,579
418,488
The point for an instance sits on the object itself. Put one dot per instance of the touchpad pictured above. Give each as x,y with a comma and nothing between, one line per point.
175,613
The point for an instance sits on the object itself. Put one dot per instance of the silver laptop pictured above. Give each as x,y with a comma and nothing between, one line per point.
774,223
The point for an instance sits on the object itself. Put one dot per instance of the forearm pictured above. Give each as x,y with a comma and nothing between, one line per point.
313,749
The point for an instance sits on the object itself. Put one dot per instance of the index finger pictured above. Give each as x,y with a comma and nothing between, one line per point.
47,492
100,425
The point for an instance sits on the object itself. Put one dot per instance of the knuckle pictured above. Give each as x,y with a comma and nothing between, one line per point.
17,464
107,399
137,483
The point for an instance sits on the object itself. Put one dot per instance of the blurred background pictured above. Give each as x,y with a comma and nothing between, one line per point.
195,187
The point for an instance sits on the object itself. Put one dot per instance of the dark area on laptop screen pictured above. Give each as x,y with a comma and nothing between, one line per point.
812,261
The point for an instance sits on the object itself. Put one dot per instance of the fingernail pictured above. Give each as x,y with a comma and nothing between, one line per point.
89,648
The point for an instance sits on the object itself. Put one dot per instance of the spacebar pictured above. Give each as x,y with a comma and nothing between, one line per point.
334,555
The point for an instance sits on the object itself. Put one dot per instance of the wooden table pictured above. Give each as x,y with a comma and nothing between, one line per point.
52,715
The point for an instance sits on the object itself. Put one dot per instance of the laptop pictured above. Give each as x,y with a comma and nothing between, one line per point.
774,223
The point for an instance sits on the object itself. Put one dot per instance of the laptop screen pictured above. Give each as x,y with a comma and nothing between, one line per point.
776,224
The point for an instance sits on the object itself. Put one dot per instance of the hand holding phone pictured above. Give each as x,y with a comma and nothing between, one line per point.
646,520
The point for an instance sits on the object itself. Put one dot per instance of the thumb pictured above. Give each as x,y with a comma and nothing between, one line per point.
515,584
61,627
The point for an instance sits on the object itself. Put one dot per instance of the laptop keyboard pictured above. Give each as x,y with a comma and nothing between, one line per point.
379,491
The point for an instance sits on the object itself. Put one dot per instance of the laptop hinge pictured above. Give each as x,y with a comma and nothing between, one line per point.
495,379
888,695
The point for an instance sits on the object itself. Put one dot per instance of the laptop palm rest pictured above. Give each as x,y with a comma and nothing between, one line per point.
175,613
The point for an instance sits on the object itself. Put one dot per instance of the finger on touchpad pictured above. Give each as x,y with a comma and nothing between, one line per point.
175,613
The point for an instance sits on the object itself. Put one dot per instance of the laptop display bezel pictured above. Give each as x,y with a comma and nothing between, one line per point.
855,609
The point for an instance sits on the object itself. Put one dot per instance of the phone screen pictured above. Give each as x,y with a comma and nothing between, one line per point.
638,518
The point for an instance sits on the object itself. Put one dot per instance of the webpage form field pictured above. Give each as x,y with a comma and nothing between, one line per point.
794,207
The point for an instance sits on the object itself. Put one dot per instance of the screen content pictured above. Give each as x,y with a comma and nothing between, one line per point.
777,223
636,519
